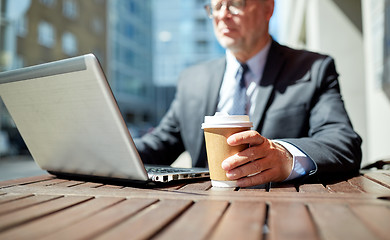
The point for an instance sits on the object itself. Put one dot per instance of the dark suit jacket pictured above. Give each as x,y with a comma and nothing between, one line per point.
299,102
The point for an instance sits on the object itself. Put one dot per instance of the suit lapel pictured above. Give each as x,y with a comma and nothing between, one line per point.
273,66
212,80
214,85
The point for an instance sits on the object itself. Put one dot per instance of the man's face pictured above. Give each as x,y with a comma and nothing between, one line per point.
244,31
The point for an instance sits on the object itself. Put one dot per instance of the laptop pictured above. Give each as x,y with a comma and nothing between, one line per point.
69,119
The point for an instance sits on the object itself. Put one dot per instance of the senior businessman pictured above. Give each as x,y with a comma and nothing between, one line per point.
301,127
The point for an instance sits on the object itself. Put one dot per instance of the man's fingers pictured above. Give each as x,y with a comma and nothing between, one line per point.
243,157
258,179
246,137
250,168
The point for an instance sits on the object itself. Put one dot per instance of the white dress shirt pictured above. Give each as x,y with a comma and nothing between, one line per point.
302,164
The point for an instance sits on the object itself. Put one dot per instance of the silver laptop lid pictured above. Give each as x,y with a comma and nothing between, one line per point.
69,120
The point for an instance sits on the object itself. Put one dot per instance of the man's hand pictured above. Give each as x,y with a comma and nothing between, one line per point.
264,161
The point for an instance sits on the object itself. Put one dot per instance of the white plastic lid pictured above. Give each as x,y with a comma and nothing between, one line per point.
224,120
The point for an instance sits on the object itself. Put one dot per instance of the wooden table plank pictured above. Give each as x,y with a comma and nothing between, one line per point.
88,185
70,183
337,221
290,220
282,187
111,186
8,197
13,219
313,188
48,182
376,217
24,203
202,217
56,221
201,186
369,186
192,195
148,222
379,177
249,190
343,187
172,186
100,222
242,220
26,180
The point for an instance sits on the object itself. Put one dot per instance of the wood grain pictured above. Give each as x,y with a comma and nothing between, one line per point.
337,221
103,220
15,218
289,220
202,217
251,217
148,222
59,220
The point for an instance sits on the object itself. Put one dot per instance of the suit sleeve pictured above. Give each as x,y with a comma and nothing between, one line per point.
331,143
164,144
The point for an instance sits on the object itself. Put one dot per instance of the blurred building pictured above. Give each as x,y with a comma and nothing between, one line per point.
41,31
183,36
130,57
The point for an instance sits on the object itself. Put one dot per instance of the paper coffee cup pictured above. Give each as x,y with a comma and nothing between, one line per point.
217,129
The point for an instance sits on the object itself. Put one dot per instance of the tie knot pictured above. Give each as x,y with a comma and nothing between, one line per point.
244,67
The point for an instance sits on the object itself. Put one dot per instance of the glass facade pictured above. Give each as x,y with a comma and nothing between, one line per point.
130,59
183,37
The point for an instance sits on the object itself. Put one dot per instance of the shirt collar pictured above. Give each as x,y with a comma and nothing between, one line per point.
256,63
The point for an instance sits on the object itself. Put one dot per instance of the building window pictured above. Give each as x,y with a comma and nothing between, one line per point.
132,7
49,3
69,44
201,24
98,25
46,34
202,46
18,62
70,9
22,26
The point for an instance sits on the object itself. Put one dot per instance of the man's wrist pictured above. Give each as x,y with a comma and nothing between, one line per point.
288,159
302,164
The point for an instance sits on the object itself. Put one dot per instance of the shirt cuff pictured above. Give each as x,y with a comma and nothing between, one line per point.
302,164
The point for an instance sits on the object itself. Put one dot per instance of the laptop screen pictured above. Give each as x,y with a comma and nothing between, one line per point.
68,117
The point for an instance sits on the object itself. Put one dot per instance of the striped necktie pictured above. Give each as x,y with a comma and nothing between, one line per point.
240,99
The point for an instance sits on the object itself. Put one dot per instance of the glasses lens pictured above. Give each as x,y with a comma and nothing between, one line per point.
234,7
216,7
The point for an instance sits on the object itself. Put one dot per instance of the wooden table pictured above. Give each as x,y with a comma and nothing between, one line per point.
46,207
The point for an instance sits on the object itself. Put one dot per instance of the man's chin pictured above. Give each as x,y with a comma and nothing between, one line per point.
228,43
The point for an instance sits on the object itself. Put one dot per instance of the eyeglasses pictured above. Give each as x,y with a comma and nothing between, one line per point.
234,6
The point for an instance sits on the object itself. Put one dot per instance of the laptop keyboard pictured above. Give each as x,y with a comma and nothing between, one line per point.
166,174
166,170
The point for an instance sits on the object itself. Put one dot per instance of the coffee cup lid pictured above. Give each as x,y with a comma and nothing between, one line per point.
224,120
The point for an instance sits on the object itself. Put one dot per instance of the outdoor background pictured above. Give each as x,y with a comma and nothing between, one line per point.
143,45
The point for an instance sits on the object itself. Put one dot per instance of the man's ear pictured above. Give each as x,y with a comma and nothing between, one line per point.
269,6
